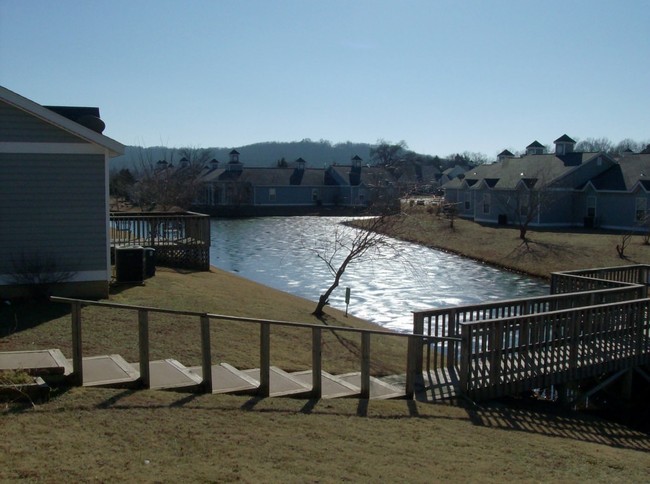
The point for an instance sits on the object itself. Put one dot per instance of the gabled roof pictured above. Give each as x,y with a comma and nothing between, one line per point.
625,175
564,139
535,144
49,116
533,170
507,152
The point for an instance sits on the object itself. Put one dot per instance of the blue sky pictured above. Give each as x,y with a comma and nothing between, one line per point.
444,76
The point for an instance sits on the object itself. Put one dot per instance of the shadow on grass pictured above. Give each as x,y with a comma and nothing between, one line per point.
538,251
550,419
23,315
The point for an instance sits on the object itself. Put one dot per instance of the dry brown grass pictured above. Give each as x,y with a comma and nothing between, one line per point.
547,250
147,436
106,331
91,434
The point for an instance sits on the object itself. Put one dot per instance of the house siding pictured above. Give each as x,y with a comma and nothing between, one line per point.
618,210
41,216
19,126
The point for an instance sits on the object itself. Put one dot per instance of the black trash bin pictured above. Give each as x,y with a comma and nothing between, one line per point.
129,264
149,262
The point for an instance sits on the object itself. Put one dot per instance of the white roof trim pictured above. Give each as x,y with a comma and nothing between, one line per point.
115,148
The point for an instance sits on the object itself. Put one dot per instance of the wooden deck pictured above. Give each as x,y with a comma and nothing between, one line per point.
180,239
599,325
478,352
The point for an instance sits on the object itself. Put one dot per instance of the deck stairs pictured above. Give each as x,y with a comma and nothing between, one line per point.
170,374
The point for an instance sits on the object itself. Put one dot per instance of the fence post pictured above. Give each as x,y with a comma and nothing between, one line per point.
365,365
206,353
465,355
77,357
414,342
316,363
143,340
265,360
418,328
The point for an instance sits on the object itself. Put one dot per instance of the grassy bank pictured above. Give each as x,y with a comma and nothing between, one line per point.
115,331
546,251
90,434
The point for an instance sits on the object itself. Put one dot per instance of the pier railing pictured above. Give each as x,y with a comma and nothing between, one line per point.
602,278
446,322
181,239
515,354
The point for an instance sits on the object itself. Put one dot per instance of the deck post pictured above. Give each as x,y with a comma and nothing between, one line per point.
265,360
465,355
77,352
143,342
418,328
206,353
452,330
365,365
414,342
316,363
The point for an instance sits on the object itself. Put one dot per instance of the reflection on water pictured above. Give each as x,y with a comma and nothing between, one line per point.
280,252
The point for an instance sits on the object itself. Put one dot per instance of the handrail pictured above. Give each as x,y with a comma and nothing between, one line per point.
225,317
414,341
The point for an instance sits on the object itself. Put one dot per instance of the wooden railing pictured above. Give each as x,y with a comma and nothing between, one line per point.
593,279
446,322
496,336
516,354
265,326
180,239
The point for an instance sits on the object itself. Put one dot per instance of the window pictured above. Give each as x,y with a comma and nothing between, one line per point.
486,203
315,195
468,201
272,195
641,209
591,207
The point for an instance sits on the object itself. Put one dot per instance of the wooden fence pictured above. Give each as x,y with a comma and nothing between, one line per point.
204,321
180,239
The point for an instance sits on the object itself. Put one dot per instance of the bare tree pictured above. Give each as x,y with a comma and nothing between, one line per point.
626,238
349,245
386,154
603,145
164,185
524,204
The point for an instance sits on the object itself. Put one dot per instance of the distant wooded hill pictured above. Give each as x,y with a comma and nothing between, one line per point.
317,154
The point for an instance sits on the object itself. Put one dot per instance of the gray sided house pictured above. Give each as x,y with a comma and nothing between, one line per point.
619,198
54,226
234,189
561,189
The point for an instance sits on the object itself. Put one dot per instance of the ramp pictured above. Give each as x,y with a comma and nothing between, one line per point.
331,386
379,390
36,362
281,382
228,379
